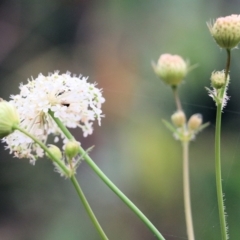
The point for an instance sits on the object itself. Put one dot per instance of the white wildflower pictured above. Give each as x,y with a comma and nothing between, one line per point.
73,100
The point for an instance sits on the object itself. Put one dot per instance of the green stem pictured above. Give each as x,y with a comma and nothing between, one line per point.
186,190
218,173
108,182
73,179
222,217
176,97
88,208
186,180
45,148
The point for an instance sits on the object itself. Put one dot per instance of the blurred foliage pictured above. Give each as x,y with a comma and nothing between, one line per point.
113,42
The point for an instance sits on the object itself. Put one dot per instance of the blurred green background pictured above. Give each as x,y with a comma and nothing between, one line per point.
114,42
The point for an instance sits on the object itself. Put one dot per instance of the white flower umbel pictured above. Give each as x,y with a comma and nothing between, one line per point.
76,102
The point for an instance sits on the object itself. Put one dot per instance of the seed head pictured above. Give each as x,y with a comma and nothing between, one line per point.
8,118
226,31
178,118
171,69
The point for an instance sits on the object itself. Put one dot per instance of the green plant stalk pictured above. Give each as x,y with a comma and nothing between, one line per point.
45,148
186,191
73,180
218,173
176,97
88,208
108,182
222,217
186,178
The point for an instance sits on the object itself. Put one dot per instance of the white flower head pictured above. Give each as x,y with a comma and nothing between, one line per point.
76,102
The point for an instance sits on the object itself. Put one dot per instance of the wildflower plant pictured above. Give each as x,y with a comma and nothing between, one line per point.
226,32
49,105
172,69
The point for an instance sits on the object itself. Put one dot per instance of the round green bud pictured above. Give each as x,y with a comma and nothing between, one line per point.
171,69
195,122
218,79
54,151
226,31
178,118
72,149
8,118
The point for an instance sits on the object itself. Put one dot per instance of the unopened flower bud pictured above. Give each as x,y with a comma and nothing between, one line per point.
178,118
8,118
54,151
226,31
171,69
218,79
195,122
72,148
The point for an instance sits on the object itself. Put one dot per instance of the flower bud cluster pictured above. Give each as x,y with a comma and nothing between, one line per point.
186,130
69,157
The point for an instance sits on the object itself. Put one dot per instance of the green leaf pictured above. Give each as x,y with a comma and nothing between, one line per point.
169,126
203,126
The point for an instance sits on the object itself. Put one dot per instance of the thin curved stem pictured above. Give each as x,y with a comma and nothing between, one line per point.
176,97
88,208
45,148
186,191
73,179
221,207
186,180
109,183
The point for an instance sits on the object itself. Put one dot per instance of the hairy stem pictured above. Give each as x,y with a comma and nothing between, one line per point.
221,207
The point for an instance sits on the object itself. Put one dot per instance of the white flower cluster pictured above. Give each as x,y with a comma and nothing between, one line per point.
72,99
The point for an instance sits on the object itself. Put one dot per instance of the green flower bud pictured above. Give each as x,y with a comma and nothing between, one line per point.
226,31
195,122
72,149
55,151
8,118
218,79
171,69
178,118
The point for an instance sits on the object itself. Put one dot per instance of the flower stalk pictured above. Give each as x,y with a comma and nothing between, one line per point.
185,140
108,182
73,180
186,191
176,97
88,208
221,207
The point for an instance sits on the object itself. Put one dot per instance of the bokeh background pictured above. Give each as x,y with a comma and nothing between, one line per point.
114,42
